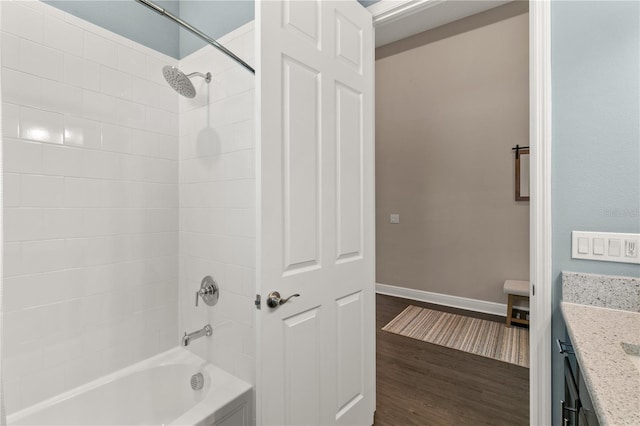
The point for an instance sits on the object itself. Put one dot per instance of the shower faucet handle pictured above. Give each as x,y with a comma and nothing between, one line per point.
209,291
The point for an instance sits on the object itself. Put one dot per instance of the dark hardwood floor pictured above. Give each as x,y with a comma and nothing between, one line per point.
419,383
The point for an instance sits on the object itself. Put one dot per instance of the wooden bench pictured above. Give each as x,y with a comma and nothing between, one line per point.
518,291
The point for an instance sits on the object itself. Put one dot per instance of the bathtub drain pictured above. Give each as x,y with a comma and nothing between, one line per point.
197,381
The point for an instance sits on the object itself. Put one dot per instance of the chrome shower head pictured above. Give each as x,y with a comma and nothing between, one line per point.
181,82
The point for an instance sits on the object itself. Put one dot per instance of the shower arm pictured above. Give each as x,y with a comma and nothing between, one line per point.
196,32
207,76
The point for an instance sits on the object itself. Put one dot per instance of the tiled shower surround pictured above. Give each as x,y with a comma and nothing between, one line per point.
118,198
217,203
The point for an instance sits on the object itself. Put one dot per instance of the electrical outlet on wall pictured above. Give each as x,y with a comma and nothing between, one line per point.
394,218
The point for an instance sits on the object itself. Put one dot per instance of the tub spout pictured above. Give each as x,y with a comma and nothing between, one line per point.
205,331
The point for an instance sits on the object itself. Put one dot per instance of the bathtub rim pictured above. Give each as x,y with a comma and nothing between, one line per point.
234,387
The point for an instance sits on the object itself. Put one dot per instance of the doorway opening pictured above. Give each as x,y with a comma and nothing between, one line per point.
451,103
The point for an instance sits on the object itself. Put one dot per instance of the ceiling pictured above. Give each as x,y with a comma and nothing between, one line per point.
398,19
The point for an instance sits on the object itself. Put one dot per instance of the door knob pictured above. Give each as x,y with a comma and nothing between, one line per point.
274,300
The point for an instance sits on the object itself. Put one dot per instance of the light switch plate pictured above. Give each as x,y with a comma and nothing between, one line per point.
583,245
394,218
605,246
614,247
598,246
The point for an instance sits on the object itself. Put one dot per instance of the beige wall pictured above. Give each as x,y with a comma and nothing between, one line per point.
450,105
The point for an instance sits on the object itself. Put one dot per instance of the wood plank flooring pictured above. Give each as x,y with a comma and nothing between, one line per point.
419,383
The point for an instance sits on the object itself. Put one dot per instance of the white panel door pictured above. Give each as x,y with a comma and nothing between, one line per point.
316,353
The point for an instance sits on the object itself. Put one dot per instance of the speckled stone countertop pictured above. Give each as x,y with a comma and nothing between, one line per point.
613,381
606,291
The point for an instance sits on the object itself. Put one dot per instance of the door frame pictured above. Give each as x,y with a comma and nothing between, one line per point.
540,247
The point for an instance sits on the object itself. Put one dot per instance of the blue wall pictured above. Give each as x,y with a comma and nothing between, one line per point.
596,136
140,24
136,22
129,19
214,18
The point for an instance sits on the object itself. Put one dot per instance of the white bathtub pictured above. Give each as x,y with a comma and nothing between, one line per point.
156,391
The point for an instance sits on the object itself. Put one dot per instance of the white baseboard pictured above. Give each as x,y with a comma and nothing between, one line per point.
443,299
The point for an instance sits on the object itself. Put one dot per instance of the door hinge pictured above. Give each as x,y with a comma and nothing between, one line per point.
257,302
533,289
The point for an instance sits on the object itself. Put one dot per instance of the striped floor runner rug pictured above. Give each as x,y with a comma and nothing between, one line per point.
486,338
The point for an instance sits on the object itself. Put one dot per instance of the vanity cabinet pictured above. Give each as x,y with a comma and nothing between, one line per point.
587,414
577,408
602,316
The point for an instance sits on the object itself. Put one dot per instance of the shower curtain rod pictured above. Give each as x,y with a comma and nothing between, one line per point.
195,31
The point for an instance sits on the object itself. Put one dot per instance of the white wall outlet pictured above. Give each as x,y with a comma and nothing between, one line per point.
605,246
394,218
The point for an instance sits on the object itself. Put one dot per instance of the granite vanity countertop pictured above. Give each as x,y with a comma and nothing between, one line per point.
613,381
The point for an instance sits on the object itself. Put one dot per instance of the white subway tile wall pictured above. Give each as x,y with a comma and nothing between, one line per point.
90,203
217,203
100,223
